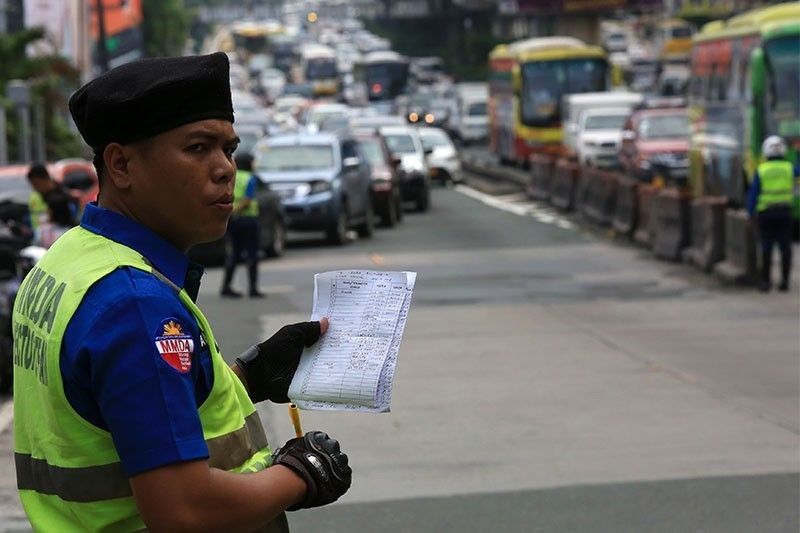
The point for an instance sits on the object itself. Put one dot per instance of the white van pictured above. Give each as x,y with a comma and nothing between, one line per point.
470,123
573,104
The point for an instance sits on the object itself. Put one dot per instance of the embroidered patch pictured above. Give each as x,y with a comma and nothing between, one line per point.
175,346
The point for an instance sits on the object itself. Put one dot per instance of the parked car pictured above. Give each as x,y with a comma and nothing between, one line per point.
404,142
272,234
387,199
442,155
599,135
656,137
322,180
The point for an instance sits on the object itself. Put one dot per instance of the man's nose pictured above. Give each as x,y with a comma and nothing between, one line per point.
224,168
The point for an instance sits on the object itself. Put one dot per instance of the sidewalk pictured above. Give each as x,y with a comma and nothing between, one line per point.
12,518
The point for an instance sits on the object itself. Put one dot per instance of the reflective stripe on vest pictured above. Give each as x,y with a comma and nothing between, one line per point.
68,471
777,184
107,482
240,193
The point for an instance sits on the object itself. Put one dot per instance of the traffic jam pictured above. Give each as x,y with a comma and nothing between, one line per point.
654,136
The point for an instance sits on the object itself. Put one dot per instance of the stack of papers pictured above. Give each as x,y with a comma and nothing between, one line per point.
352,366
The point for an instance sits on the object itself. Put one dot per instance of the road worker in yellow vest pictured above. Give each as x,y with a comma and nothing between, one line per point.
770,201
126,415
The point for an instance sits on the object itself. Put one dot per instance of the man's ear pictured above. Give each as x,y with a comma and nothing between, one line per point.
116,160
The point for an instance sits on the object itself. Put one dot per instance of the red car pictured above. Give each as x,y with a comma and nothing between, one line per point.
655,141
77,176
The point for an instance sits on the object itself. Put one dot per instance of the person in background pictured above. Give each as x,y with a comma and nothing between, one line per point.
769,201
41,184
59,219
45,192
243,231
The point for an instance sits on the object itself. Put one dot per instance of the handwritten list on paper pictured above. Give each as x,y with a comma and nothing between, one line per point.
352,366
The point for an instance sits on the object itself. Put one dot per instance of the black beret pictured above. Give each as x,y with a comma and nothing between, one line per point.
141,99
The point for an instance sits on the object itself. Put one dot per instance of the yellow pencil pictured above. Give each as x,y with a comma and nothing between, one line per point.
294,415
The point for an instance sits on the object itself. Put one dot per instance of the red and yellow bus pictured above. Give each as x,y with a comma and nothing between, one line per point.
527,80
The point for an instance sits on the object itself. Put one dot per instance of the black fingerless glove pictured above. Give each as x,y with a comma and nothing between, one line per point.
269,367
317,459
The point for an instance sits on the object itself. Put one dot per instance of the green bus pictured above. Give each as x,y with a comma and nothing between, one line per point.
745,87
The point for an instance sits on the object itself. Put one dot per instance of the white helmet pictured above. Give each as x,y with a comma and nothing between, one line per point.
773,146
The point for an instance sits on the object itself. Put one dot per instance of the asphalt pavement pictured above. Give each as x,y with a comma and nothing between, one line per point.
551,378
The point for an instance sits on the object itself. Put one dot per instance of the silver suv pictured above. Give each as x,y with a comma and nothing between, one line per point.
322,180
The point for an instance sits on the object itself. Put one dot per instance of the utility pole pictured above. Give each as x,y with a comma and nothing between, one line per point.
3,140
18,92
102,48
3,16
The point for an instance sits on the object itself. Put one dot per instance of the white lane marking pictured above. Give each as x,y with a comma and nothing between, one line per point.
517,204
6,414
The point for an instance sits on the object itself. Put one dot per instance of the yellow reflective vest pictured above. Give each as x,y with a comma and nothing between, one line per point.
777,184
69,474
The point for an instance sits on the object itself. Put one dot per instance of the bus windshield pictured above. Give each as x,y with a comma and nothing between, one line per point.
545,82
782,54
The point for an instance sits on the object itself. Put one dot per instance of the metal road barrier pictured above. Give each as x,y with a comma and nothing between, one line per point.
707,235
627,206
600,195
643,234
607,199
542,167
739,265
565,184
671,223
583,190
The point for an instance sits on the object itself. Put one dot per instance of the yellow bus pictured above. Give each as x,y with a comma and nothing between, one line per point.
527,80
744,87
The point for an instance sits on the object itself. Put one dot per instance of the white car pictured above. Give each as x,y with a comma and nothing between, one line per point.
599,136
441,154
415,182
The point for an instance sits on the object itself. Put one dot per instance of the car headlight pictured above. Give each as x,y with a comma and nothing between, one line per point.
319,186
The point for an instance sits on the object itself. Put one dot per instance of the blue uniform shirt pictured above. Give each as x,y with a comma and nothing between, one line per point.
118,373
250,191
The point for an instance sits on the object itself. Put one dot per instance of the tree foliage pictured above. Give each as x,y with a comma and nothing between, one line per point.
165,27
51,78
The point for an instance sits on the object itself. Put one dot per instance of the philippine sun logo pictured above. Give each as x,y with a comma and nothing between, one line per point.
174,346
